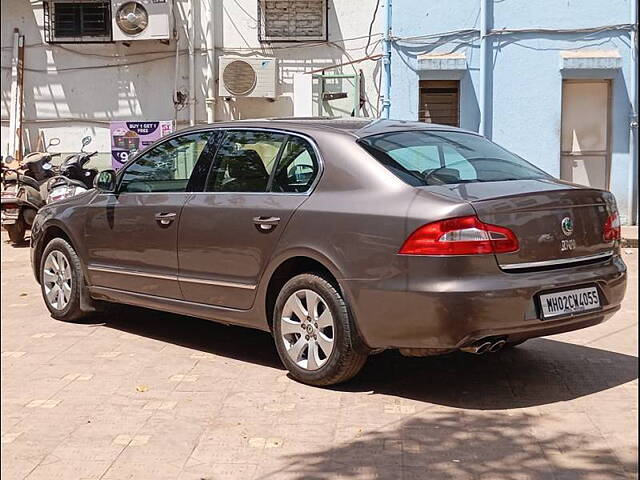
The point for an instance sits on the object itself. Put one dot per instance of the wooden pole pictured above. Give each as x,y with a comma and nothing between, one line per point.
13,107
19,130
17,97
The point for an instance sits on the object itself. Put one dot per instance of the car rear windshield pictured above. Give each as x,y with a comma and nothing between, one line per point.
423,158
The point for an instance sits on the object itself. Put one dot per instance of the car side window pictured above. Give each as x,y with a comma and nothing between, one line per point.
166,167
297,167
244,161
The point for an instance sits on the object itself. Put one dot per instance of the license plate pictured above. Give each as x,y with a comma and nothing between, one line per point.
569,301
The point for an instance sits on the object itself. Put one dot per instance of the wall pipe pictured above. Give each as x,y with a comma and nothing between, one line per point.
633,121
208,25
191,22
483,71
386,61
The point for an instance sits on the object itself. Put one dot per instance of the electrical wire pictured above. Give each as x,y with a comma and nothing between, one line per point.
511,31
90,67
373,20
603,28
270,47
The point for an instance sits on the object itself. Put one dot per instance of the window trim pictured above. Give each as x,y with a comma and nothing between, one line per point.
224,129
277,165
309,140
164,140
269,180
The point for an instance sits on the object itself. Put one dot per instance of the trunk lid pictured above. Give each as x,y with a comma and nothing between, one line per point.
537,212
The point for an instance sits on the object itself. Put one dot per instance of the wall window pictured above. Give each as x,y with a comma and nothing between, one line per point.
440,102
244,162
70,21
292,20
167,167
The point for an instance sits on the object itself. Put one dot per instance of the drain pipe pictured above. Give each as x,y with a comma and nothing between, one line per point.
192,62
633,123
207,22
386,61
484,54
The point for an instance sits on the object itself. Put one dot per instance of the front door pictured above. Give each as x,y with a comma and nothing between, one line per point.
585,157
131,236
229,231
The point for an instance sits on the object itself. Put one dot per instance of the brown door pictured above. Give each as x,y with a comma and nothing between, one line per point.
440,102
228,232
585,153
131,236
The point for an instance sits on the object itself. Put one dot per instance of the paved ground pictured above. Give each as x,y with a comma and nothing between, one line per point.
146,395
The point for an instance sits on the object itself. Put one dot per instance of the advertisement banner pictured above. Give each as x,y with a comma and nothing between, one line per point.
129,137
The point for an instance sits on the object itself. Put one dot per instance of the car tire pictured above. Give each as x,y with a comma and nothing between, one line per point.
62,282
17,231
333,356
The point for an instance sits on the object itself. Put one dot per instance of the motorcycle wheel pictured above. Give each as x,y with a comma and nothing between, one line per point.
17,231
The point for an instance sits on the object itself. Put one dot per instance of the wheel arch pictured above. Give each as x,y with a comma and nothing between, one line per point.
48,233
305,261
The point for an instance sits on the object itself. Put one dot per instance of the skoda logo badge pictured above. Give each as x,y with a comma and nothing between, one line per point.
567,226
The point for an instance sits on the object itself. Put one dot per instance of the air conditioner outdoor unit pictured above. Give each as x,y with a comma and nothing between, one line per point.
141,20
248,77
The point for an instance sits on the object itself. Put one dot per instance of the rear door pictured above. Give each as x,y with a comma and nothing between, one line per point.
229,231
131,236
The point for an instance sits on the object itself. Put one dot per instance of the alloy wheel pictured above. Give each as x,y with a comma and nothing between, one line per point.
307,329
57,279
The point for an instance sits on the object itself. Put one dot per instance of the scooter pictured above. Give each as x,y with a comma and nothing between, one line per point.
24,190
73,177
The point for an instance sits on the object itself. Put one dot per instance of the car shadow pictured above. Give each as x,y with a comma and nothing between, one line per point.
539,372
239,343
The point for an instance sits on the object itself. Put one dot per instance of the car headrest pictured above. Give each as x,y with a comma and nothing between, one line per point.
246,164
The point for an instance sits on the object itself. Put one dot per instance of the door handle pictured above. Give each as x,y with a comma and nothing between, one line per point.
165,218
266,224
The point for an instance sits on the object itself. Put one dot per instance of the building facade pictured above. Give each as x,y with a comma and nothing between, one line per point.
79,76
555,82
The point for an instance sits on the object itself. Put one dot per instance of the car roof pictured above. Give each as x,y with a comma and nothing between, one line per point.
353,126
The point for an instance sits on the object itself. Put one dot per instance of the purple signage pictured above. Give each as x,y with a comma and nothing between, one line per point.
129,137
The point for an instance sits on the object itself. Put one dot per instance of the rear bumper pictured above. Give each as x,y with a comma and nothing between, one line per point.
441,312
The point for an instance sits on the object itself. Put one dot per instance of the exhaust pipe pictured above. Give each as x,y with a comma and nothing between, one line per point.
478,348
484,346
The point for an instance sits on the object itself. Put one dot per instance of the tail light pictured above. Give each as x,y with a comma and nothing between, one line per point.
460,236
611,230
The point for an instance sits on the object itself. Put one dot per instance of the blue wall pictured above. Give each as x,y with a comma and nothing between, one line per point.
524,76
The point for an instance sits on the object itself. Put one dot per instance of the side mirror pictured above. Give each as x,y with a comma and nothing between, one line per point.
86,141
105,181
53,142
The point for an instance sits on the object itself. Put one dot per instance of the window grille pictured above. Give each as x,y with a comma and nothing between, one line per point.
77,21
292,20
